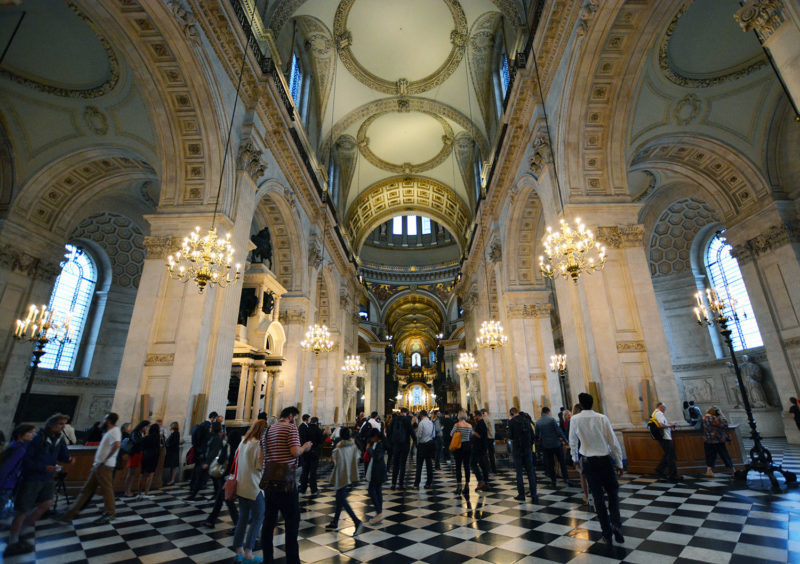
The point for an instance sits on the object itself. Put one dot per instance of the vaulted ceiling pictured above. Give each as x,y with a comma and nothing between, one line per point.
402,85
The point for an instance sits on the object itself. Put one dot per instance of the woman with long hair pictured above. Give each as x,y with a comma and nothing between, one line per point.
135,460
151,448
250,460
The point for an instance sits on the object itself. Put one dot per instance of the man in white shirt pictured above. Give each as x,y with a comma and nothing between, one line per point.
425,446
596,448
102,473
668,467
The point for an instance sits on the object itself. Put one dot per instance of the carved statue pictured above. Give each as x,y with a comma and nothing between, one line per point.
753,378
247,305
268,303
263,252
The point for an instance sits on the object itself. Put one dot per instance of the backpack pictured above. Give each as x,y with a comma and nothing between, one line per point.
126,446
656,432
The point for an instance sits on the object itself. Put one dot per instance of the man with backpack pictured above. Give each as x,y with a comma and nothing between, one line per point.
400,438
36,488
11,464
521,434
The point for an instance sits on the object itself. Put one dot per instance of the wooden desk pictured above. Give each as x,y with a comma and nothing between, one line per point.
644,453
84,460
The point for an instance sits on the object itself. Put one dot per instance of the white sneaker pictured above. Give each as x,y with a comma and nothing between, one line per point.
375,520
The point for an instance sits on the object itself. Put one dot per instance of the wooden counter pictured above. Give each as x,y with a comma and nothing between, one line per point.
644,453
84,460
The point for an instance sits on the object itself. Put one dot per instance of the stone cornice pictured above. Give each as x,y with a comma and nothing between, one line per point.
536,311
773,238
619,236
36,268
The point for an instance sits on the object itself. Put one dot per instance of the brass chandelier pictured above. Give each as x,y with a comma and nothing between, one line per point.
353,365
491,335
571,251
318,339
466,363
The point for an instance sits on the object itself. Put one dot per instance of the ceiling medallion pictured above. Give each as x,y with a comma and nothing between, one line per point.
405,168
344,39
675,76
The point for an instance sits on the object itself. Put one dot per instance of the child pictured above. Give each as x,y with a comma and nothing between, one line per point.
11,463
345,473
376,472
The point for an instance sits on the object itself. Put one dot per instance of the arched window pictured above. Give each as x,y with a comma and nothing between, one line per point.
416,359
416,394
726,279
296,80
73,293
505,75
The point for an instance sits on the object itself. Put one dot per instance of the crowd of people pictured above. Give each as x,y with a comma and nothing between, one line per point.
266,471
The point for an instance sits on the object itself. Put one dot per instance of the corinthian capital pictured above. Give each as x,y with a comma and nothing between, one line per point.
764,16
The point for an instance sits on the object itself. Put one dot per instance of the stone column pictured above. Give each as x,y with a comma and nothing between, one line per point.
24,279
768,250
245,376
779,33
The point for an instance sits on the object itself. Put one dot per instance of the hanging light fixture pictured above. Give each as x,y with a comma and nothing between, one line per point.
466,363
318,339
207,259
353,365
571,251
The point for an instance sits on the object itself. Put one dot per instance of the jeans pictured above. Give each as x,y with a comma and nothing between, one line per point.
550,457
425,455
399,457
480,466
437,451
668,464
251,512
523,461
462,458
602,478
714,449
288,503
308,473
99,477
341,503
376,495
219,497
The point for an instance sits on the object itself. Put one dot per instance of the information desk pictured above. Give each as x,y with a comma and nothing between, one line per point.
84,460
644,453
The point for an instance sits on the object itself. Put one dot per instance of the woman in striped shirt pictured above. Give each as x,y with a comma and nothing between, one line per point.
462,454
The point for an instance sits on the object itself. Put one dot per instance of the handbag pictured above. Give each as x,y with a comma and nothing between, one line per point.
366,458
216,469
231,480
278,477
455,442
191,457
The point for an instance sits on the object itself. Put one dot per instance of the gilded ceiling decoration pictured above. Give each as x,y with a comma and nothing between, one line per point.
57,90
403,104
407,194
681,78
401,87
406,168
385,292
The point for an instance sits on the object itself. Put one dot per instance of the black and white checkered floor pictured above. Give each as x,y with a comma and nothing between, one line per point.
698,520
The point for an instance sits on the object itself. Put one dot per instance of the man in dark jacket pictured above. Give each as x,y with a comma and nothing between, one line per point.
478,457
313,434
400,439
552,438
521,433
36,488
200,435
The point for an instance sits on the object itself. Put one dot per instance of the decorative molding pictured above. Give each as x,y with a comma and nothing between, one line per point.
315,253
536,311
765,16
630,346
585,17
159,359
686,109
292,316
249,160
495,251
405,168
673,234
344,39
773,238
791,342
58,378
160,247
35,268
674,76
616,237
95,120
186,20
97,91
122,241
542,154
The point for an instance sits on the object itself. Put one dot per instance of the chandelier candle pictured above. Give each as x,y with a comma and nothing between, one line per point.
571,252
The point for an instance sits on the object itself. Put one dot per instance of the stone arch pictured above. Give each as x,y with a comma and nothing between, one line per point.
275,339
597,103
391,196
187,115
63,190
6,171
732,184
481,54
326,299
524,228
275,211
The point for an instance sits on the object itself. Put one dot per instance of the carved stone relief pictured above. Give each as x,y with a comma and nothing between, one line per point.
765,16
249,159
35,268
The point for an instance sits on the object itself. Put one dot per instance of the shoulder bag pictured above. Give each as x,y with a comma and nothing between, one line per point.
455,442
232,479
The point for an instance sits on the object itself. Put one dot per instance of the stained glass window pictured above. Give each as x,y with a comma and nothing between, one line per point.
416,359
417,395
505,76
726,279
296,80
72,292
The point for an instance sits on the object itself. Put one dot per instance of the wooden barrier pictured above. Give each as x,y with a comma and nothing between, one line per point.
78,472
644,453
